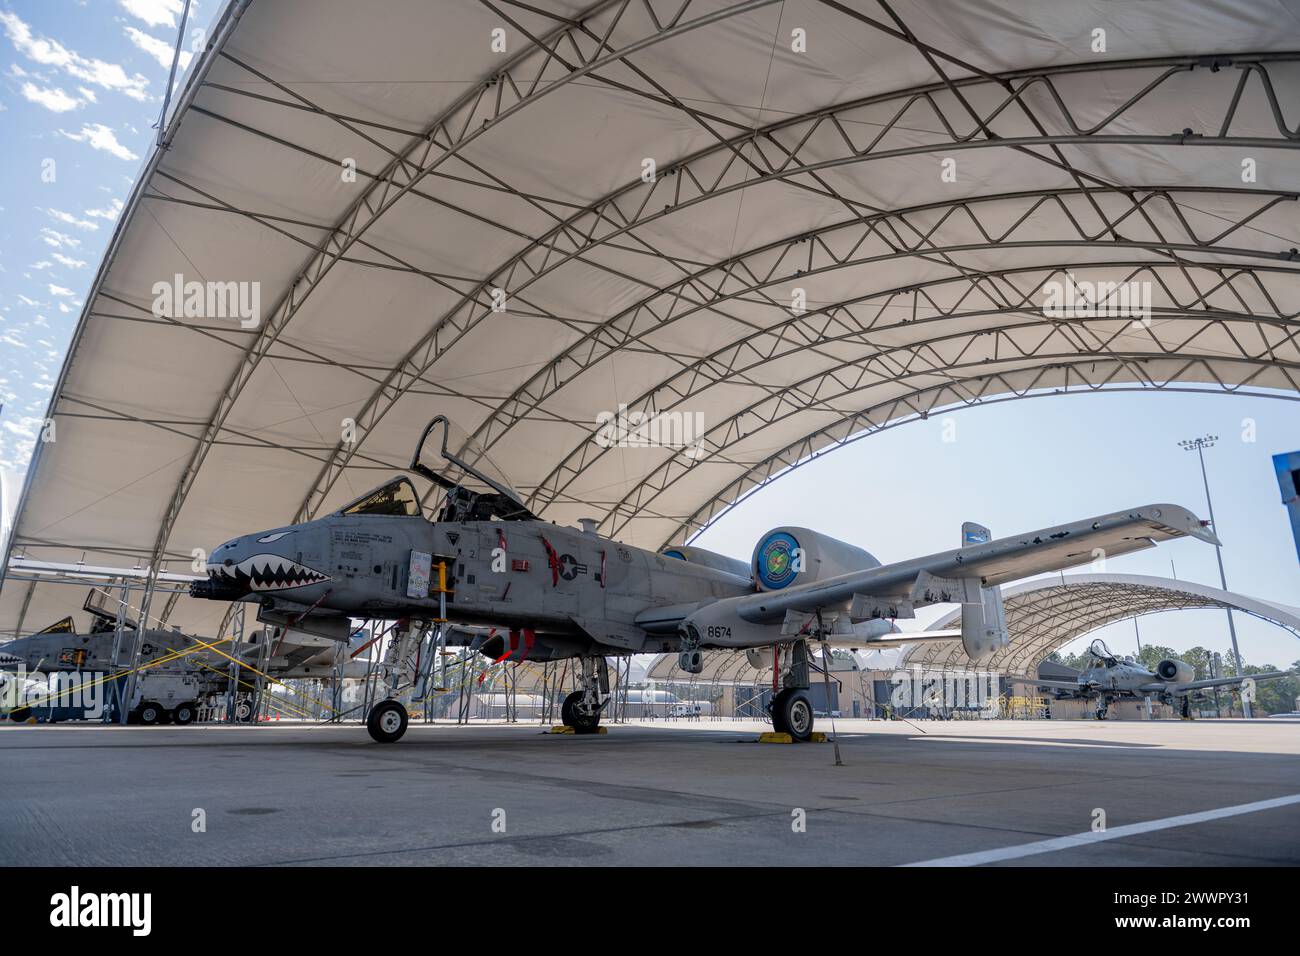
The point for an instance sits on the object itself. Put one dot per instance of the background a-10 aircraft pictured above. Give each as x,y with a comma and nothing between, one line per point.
525,589
175,670
1110,677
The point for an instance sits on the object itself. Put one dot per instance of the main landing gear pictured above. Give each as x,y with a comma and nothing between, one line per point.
792,714
581,709
1103,706
387,722
791,708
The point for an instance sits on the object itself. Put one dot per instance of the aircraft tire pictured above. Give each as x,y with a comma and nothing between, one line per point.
776,711
795,711
570,716
387,722
183,714
150,713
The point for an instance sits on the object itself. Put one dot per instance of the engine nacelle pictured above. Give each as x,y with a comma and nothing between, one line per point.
1175,671
786,556
708,559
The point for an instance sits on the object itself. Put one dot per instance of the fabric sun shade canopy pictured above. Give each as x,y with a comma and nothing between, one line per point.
770,227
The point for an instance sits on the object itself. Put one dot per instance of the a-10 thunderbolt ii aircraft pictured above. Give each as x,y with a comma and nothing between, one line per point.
1110,677
531,590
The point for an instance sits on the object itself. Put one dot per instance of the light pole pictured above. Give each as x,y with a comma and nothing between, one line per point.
1199,445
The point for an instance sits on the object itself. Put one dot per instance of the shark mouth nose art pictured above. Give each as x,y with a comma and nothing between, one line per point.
267,572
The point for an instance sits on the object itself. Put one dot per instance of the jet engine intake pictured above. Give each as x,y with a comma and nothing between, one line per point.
786,556
1175,671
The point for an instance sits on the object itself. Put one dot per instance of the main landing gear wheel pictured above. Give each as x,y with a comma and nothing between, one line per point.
387,722
571,715
792,714
777,712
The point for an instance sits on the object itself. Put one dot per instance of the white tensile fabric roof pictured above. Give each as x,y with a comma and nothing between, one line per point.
776,170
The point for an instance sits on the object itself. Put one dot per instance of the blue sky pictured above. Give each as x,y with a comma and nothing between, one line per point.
1022,465
81,83
81,86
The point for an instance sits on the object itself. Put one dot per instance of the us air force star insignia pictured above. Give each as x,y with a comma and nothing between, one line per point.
570,568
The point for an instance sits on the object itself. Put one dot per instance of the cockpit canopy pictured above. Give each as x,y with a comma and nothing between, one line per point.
475,489
1099,650
397,498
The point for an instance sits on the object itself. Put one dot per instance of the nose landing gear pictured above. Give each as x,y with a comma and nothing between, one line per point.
387,722
581,709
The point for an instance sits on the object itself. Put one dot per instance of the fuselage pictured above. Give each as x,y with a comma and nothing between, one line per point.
1122,676
513,574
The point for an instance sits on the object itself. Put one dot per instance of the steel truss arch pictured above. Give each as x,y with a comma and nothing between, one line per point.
618,331
1045,615
793,400
771,169
945,397
578,234
478,110
734,359
698,371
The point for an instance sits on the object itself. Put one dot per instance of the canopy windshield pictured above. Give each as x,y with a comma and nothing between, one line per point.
459,458
397,498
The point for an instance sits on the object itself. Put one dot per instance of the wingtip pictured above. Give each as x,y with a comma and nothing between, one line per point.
1191,524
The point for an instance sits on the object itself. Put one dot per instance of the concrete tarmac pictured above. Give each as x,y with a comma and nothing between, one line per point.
654,793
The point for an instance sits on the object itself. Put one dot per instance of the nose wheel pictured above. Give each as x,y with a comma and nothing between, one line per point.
584,719
387,722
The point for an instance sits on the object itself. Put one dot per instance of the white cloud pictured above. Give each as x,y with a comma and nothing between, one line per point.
52,53
101,137
52,237
72,220
110,212
156,13
87,95
68,261
26,301
160,50
43,264
60,290
52,98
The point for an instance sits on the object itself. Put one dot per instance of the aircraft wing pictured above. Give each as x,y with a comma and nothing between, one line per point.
1050,684
993,563
1162,687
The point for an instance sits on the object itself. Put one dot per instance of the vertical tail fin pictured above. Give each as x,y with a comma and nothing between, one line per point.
983,625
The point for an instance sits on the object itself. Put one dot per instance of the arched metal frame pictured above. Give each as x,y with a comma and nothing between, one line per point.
1045,615
743,158
607,220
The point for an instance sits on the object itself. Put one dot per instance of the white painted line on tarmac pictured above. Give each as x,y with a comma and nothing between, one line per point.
1115,833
